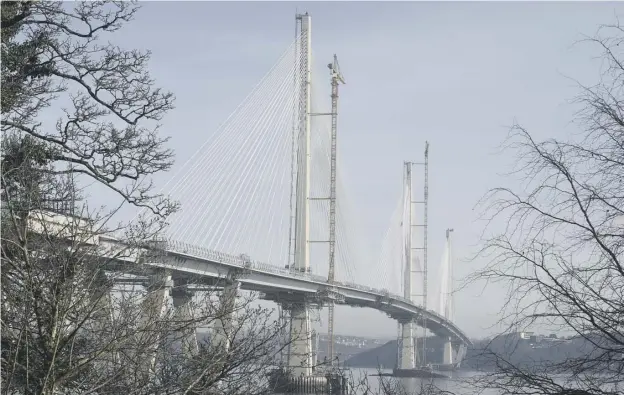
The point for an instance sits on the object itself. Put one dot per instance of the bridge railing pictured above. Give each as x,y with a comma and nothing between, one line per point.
244,262
241,260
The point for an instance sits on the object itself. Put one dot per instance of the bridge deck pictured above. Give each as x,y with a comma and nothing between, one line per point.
190,261
282,284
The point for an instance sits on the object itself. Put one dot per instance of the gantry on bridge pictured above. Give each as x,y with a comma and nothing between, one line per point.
264,208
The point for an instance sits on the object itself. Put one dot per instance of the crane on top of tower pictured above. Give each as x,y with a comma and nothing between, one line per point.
335,71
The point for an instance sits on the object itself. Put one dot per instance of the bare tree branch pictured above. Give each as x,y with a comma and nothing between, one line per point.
53,51
561,248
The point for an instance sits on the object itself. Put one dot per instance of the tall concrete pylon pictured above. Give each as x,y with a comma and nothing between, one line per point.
407,356
446,296
300,346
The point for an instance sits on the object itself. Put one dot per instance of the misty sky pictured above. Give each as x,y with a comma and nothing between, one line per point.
455,74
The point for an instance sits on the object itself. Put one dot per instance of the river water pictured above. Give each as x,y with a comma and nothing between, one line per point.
367,382
458,384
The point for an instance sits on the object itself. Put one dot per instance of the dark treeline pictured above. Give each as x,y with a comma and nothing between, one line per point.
483,354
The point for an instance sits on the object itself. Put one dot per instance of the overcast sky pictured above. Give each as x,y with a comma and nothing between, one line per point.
455,74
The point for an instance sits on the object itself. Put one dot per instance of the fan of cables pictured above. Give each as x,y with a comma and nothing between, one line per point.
235,190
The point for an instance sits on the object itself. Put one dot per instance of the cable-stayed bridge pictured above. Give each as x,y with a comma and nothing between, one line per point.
265,208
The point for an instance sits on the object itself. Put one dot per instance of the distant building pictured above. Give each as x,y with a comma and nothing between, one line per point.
525,335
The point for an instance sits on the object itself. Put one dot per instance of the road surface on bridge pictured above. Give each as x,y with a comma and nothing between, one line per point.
188,262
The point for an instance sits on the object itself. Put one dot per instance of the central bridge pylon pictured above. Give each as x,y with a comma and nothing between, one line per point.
300,346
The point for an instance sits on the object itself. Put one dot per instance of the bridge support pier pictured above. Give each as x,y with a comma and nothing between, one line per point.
300,346
154,307
182,303
103,317
225,322
447,352
315,341
407,356
461,353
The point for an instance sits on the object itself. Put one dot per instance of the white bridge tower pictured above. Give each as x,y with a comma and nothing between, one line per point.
446,296
300,359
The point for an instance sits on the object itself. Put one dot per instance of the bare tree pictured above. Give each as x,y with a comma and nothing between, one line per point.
67,327
54,53
67,330
561,248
